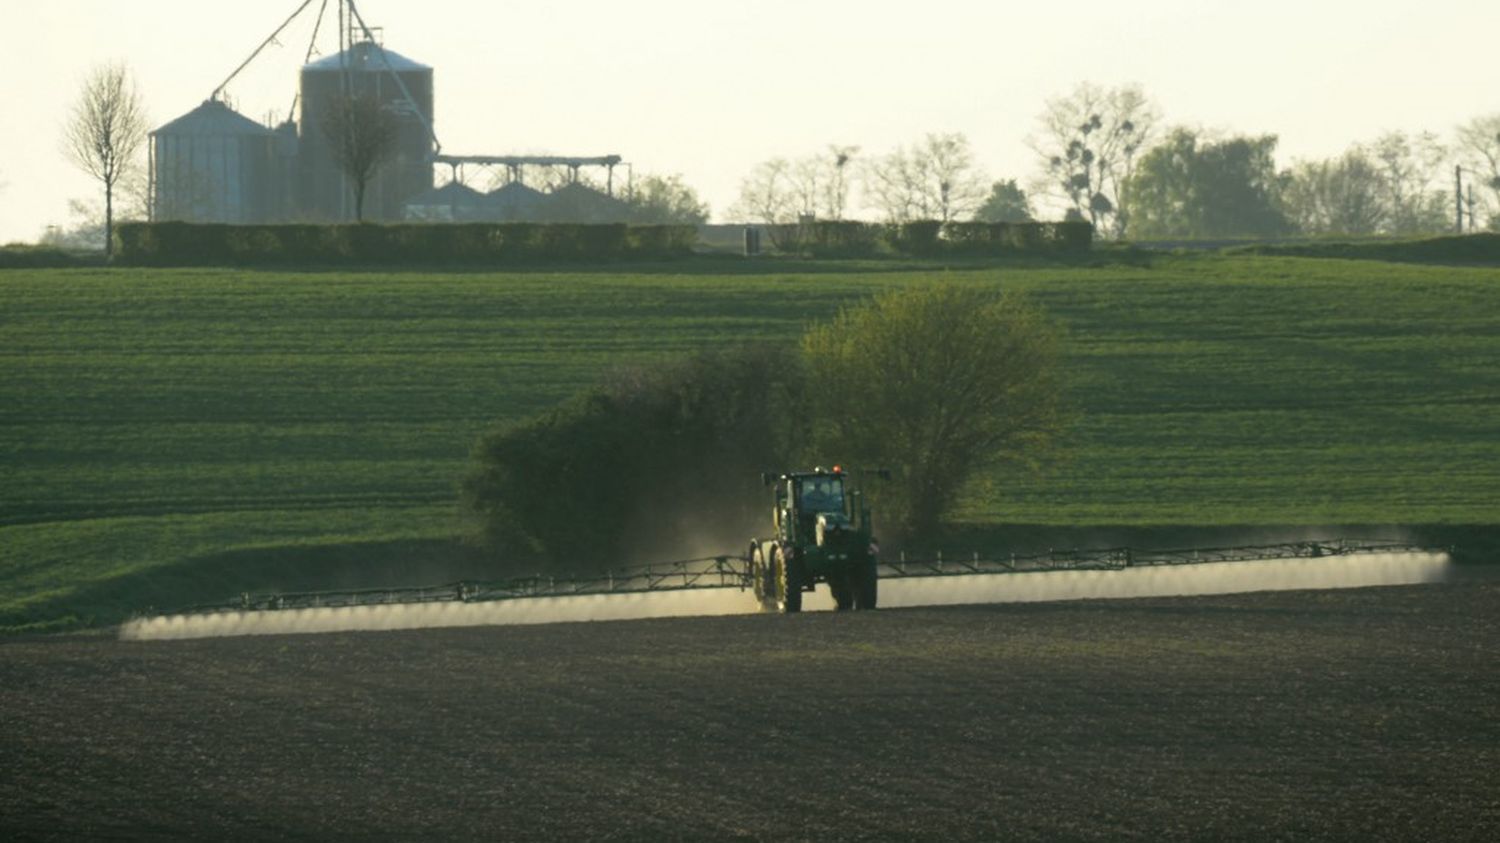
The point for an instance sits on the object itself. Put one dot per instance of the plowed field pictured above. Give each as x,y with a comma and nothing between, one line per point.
1359,714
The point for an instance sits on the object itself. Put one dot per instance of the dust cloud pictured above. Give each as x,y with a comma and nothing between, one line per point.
1145,581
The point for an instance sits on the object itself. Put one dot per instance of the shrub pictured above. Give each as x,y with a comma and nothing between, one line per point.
26,256
920,237
1072,236
843,238
179,243
657,460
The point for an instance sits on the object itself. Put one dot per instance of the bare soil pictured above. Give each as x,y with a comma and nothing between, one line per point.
1359,714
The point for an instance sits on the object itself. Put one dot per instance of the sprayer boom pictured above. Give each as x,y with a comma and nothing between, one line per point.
740,572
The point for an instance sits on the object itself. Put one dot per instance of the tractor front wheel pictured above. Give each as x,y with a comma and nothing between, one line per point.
841,586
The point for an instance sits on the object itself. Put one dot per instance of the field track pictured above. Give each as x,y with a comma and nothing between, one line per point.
1357,714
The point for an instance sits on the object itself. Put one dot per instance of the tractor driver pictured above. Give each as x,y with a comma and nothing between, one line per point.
822,494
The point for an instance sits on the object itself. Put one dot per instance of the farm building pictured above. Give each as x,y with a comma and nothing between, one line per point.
214,164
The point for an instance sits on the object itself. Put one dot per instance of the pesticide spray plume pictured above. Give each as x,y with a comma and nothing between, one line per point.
1355,571
520,611
1199,578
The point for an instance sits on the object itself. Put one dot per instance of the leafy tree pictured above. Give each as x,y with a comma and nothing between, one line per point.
936,382
105,132
1188,187
1088,144
933,179
1007,202
362,136
665,200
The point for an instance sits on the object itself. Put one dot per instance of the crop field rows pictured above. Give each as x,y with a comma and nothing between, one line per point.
153,420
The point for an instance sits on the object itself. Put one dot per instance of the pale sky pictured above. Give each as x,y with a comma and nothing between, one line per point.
707,90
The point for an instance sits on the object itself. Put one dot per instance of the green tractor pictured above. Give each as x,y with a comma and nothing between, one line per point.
823,534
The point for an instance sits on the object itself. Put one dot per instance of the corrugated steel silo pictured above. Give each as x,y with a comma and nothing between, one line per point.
212,164
366,69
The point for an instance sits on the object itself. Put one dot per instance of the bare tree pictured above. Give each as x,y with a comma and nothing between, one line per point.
934,179
105,132
808,180
1479,149
362,135
1409,166
766,195
836,185
1339,196
892,185
1088,144
781,190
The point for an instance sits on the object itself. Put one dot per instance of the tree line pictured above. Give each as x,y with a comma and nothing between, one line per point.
1106,156
1102,154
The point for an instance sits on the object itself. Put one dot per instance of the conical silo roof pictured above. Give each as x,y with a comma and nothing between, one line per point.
213,118
514,193
452,193
366,55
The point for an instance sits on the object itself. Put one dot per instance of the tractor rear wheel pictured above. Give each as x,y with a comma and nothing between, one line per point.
788,584
866,585
762,579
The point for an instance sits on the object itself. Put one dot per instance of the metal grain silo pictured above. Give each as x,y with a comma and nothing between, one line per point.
366,69
212,165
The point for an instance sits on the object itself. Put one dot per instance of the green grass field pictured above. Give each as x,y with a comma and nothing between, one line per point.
180,434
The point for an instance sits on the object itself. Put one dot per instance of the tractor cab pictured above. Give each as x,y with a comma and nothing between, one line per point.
805,500
821,492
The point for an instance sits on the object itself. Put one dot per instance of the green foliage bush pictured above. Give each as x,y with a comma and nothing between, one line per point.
842,238
920,237
660,240
1009,238
658,460
208,244
930,238
937,382
25,256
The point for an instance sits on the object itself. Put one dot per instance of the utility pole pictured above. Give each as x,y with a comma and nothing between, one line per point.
1458,197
